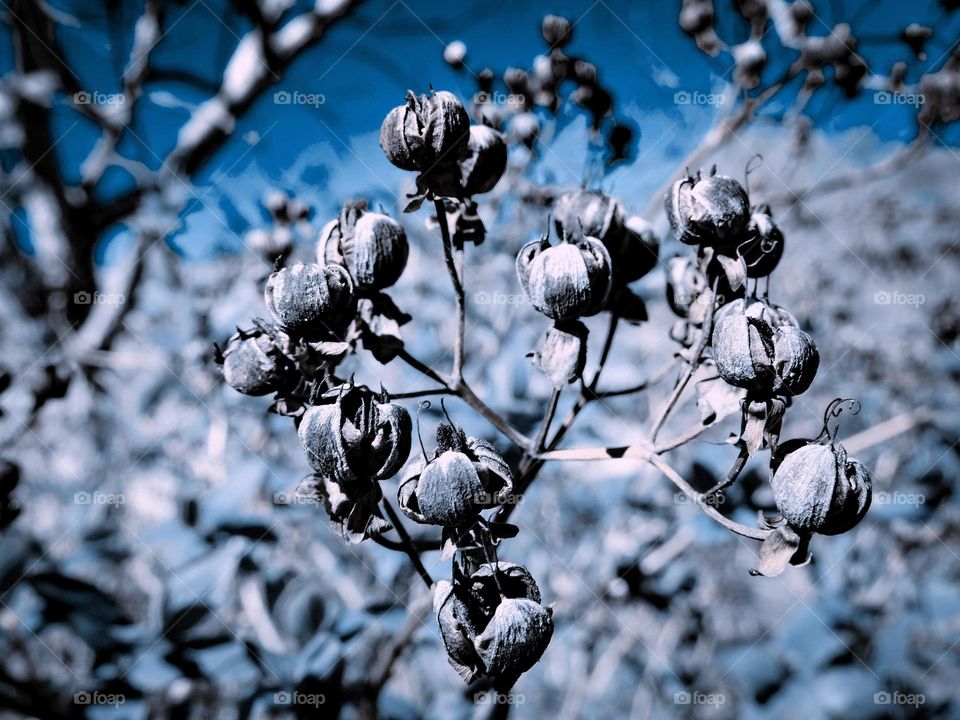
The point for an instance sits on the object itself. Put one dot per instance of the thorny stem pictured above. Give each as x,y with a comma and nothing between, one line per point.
407,542
457,279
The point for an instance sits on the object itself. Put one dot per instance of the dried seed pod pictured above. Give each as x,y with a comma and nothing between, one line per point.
371,246
254,363
426,131
485,162
464,476
711,210
556,30
454,54
311,301
492,623
515,638
566,281
359,438
591,213
687,285
524,127
639,251
750,58
562,353
763,245
819,488
764,358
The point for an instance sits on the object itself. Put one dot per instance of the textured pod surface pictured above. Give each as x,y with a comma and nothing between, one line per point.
494,471
512,579
763,247
253,365
774,315
357,437
685,283
374,253
456,631
816,488
515,638
743,349
426,131
311,301
638,252
795,360
708,211
591,213
445,491
485,162
569,280
562,353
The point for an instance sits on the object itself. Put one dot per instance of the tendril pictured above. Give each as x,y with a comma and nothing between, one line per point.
421,406
831,417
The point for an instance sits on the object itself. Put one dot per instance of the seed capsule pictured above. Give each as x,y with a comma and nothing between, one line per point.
566,281
591,213
819,488
311,301
464,476
254,364
426,131
710,210
562,353
556,30
766,359
763,247
492,623
371,246
359,437
485,162
686,288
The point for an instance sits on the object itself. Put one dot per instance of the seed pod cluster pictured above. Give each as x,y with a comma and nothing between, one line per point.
566,281
753,352
371,246
818,488
711,211
493,623
254,362
358,438
426,131
464,476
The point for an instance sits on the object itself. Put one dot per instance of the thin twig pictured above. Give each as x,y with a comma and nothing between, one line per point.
407,543
457,281
547,420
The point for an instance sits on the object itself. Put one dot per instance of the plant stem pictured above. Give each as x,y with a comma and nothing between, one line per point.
407,543
547,419
457,280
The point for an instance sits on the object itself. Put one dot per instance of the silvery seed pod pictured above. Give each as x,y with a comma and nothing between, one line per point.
371,246
427,131
568,280
464,476
591,213
752,354
686,285
253,364
795,360
556,30
711,210
562,353
524,128
485,162
311,301
492,623
763,247
360,437
515,638
818,488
